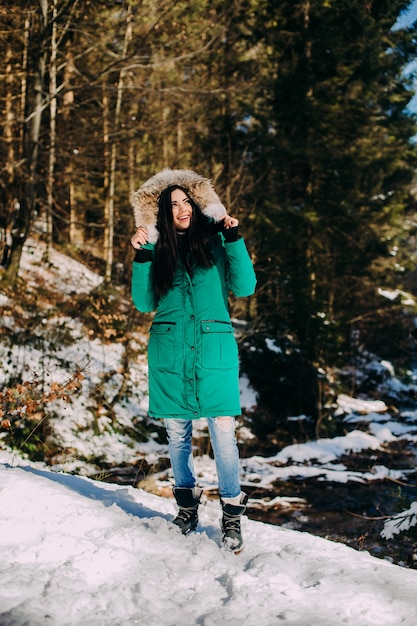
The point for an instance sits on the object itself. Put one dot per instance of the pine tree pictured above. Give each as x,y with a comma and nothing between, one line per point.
328,136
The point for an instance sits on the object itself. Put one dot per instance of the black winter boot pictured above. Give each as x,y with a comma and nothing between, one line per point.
188,501
232,534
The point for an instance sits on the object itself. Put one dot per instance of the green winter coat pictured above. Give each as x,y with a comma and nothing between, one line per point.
192,351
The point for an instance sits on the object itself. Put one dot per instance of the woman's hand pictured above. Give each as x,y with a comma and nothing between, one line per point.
229,221
139,238
230,228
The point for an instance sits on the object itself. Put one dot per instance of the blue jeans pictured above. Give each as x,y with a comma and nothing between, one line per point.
226,454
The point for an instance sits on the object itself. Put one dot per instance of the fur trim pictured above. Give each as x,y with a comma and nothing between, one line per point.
145,199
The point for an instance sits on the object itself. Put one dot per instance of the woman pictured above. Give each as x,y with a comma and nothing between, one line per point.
189,255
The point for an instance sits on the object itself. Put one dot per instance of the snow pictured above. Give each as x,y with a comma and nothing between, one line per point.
33,262
326,450
78,552
347,404
393,294
401,522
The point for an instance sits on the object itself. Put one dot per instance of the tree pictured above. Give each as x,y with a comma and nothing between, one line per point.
328,140
19,182
296,110
25,126
336,154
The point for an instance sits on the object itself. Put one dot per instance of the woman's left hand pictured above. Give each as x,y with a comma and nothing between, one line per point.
229,221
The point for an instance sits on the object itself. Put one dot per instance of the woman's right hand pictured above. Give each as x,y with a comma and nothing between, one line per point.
139,238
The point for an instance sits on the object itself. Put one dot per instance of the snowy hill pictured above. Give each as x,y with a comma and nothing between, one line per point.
75,552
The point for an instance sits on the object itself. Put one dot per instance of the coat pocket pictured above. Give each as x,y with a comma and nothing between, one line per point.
219,347
161,347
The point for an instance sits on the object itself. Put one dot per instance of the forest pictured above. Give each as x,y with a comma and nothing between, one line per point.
298,111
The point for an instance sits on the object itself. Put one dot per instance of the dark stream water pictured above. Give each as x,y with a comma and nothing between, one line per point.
351,513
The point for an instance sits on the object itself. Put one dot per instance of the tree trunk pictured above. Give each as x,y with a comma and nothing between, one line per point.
6,199
52,134
9,116
75,232
26,188
106,175
109,232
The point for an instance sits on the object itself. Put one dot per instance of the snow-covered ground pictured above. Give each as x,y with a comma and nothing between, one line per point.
76,552
80,552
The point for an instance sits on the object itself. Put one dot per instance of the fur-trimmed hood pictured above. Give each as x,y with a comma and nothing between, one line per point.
145,199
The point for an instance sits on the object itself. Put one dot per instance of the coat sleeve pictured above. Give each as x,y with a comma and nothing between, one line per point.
142,290
241,278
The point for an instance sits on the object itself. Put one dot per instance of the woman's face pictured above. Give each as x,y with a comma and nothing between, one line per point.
181,209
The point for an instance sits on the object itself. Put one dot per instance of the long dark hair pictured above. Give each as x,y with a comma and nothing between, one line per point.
193,250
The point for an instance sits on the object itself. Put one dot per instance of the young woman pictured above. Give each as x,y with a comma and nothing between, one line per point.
189,255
